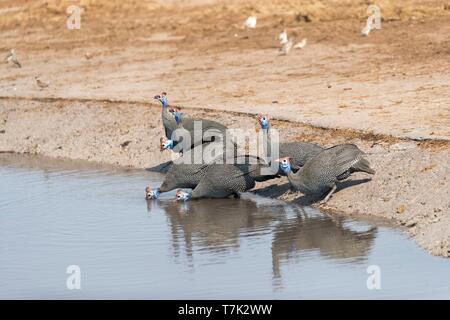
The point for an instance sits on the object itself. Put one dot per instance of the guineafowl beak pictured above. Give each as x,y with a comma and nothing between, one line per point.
285,164
162,98
165,143
182,196
151,194
162,140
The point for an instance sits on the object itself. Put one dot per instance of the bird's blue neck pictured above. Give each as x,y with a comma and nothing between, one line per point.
177,117
286,168
164,103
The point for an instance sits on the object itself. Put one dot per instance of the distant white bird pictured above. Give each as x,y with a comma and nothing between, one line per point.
288,43
286,47
283,37
250,22
12,58
301,44
41,84
366,30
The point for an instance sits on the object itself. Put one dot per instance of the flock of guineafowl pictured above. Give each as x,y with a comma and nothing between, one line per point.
310,169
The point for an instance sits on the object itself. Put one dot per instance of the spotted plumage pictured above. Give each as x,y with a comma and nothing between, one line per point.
298,151
210,130
321,172
186,171
224,180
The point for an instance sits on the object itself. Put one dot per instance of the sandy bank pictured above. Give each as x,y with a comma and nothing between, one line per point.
395,82
410,189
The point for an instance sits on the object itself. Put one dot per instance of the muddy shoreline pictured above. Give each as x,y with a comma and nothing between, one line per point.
410,189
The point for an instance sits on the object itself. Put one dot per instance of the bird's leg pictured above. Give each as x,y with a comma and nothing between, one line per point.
291,190
333,189
236,195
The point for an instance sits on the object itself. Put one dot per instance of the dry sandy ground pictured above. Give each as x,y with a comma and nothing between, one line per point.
396,81
389,92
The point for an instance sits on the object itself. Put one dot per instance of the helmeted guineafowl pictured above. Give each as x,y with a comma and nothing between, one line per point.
186,171
298,151
223,180
178,176
321,172
210,130
189,175
186,139
167,119
220,181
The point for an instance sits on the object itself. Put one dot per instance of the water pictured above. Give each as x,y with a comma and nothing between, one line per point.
54,214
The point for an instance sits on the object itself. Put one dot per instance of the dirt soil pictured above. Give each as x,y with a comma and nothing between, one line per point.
389,92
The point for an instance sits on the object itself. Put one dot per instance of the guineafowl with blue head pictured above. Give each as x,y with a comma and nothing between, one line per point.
209,130
320,173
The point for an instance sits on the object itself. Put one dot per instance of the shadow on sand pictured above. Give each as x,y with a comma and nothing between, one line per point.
305,200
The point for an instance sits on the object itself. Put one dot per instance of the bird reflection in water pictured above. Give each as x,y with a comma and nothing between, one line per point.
330,237
216,226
